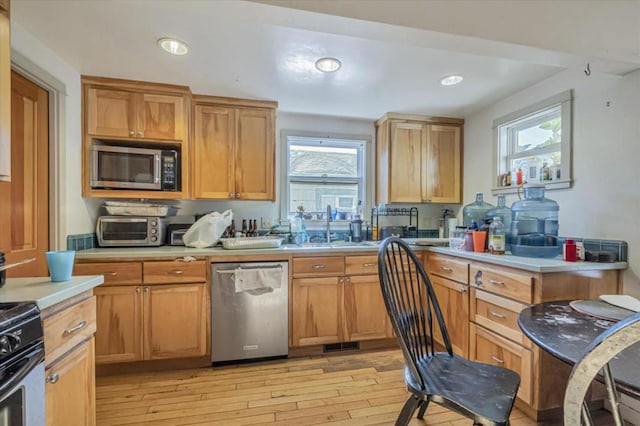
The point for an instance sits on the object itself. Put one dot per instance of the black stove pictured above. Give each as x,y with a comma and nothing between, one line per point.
20,327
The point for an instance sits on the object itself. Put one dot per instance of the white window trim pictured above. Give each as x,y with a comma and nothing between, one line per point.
368,163
565,99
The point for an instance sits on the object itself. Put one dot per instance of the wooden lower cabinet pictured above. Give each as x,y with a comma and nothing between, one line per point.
70,388
346,306
490,348
453,299
151,322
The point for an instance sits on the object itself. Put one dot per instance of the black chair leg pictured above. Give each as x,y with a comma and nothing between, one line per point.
407,411
423,408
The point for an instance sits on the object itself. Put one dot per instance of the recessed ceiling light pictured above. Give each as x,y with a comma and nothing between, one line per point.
328,64
450,80
173,46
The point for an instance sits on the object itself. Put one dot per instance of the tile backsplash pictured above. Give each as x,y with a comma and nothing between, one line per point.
79,242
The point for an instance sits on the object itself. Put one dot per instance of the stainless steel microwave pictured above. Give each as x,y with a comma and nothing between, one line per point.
124,167
130,231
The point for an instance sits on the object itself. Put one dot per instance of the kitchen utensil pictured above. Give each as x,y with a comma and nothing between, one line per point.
60,264
11,265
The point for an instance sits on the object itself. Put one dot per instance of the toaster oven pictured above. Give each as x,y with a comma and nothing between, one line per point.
130,231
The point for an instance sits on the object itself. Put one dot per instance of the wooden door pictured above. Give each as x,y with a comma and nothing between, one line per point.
175,321
365,315
255,154
443,164
406,162
111,113
24,214
119,324
70,388
213,152
453,299
316,311
161,117
5,98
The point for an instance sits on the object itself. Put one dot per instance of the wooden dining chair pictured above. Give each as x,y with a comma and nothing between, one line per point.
482,392
594,361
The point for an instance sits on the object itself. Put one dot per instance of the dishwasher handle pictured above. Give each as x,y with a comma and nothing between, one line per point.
231,271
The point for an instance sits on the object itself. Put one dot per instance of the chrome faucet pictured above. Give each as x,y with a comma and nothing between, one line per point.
328,223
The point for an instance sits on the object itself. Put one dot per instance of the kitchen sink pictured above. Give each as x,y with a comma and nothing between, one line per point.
332,245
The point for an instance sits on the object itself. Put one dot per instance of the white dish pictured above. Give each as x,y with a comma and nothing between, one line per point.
622,301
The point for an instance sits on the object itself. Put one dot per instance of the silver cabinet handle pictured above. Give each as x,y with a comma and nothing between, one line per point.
138,290
177,272
318,266
369,265
340,280
446,268
146,289
237,195
140,133
131,133
494,282
231,195
80,326
111,274
463,289
496,314
348,280
496,359
53,378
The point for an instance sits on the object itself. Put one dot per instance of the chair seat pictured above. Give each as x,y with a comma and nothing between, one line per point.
480,391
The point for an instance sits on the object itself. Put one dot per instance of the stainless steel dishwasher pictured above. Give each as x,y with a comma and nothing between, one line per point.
251,321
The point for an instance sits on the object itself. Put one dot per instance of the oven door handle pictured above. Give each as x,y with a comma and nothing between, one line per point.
29,362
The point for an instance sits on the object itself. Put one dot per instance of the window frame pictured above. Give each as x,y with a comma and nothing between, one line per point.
365,164
504,140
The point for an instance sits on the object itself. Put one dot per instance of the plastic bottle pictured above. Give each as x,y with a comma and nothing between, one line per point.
497,236
476,211
505,215
519,177
569,251
535,223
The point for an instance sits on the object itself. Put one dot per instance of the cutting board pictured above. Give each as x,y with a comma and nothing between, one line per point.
600,309
622,301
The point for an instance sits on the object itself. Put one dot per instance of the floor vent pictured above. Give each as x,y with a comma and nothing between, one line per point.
339,347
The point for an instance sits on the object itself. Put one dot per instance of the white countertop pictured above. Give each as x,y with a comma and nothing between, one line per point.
44,292
526,263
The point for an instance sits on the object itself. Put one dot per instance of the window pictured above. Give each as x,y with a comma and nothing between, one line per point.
533,145
321,172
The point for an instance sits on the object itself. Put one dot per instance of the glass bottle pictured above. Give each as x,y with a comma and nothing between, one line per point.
497,236
476,211
232,228
244,227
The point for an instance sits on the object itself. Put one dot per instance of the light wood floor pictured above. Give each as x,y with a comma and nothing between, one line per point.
356,389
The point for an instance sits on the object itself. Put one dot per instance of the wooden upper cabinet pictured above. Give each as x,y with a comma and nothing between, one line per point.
5,98
418,159
127,114
233,149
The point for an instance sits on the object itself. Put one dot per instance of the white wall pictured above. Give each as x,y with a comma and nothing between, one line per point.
75,213
604,201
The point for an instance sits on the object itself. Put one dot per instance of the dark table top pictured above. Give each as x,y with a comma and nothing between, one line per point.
564,333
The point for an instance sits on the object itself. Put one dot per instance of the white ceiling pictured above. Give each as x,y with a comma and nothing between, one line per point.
261,51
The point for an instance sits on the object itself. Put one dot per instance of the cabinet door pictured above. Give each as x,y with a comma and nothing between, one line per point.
175,321
213,152
316,311
5,99
453,299
365,315
111,112
443,164
119,321
161,117
70,388
255,150
406,179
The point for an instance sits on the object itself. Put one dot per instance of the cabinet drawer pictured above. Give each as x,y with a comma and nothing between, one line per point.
68,328
505,282
490,348
124,273
445,266
498,314
318,266
175,272
361,265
